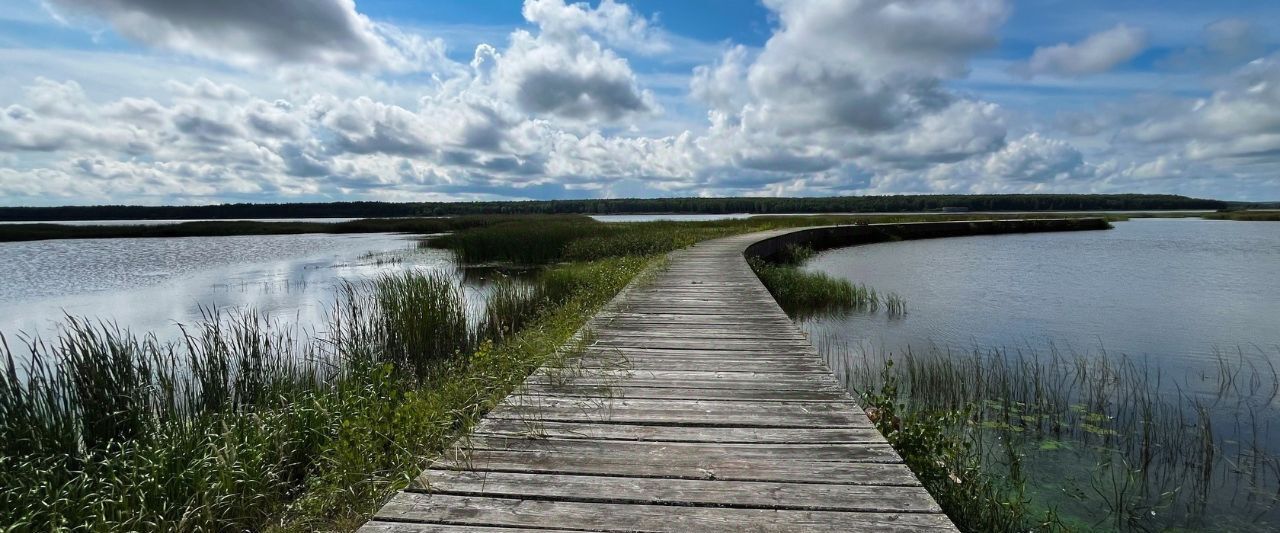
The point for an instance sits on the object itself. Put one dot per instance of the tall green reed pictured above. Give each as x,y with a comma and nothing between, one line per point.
104,429
805,294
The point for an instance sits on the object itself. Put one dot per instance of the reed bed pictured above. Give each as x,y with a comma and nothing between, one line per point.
809,294
1084,441
804,294
220,228
1249,216
249,424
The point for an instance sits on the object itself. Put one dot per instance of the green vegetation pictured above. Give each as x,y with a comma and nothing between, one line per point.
804,294
838,204
35,232
939,448
247,426
1249,216
1064,441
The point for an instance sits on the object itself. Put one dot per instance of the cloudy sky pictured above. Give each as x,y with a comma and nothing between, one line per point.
195,101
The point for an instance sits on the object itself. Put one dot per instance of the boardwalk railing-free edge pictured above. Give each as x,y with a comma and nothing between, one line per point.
698,406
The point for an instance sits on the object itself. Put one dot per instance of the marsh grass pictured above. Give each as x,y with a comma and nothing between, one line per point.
1087,441
805,294
1250,216
249,424
222,228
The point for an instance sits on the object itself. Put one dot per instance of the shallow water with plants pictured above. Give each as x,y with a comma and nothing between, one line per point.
1119,380
253,421
153,284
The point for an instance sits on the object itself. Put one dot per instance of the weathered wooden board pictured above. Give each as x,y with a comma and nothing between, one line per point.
762,394
718,466
592,516
634,432
845,453
610,489
704,364
697,405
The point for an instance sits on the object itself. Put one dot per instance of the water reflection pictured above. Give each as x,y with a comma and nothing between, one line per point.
1174,290
1128,377
153,284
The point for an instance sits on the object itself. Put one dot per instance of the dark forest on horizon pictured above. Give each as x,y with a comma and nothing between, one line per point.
753,205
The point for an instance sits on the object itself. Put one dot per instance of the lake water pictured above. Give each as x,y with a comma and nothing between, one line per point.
1174,290
149,285
1167,445
677,217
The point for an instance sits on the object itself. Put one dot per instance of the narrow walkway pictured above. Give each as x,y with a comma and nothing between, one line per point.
698,406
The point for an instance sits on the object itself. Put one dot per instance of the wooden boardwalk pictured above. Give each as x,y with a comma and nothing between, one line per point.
698,406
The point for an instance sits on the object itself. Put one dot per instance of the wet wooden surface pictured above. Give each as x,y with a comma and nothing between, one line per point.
698,406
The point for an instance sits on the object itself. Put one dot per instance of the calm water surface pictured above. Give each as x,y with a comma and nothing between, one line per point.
1171,293
152,284
678,217
1175,290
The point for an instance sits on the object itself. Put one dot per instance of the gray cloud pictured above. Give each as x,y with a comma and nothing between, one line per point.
592,94
248,32
1097,53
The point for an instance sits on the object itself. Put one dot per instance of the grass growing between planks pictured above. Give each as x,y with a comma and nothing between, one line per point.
246,426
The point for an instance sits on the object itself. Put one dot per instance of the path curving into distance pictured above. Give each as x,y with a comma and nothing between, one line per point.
697,406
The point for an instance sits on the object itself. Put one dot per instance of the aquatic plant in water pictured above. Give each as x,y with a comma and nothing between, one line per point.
1093,441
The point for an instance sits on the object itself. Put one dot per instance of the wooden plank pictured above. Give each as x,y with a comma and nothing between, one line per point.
704,334
512,512
705,364
715,466
748,494
712,407
653,433
667,354
681,379
761,414
741,345
639,450
631,390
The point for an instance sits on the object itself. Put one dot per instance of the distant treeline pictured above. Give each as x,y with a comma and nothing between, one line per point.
841,204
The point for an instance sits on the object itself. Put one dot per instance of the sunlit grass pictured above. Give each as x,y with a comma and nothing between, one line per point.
248,425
